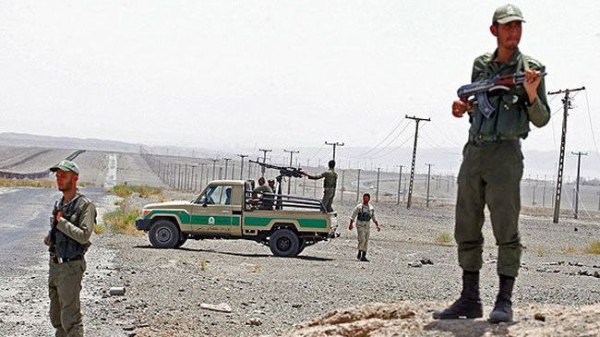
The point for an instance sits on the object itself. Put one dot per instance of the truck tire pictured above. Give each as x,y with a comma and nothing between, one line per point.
301,246
164,234
182,239
284,242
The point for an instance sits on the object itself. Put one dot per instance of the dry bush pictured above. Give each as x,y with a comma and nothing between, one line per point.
444,238
4,182
99,229
541,251
144,191
569,250
122,220
593,248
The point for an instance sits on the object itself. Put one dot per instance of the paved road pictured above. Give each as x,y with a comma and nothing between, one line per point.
24,221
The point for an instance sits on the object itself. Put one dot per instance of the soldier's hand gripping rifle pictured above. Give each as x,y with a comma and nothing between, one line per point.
480,90
284,171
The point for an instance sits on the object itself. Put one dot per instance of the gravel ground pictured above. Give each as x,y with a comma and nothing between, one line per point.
170,292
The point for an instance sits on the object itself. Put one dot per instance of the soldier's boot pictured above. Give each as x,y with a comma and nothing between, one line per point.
359,255
364,257
503,307
468,304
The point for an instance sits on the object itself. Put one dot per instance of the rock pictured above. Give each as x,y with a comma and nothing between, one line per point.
415,264
116,291
221,307
539,317
426,261
254,321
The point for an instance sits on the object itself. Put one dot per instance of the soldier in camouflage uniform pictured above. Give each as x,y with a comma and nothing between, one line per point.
492,167
73,220
364,213
329,184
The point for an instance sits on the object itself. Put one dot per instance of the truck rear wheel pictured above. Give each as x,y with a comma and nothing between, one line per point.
284,242
164,234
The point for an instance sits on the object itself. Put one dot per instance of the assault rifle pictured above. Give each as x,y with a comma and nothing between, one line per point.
284,171
480,89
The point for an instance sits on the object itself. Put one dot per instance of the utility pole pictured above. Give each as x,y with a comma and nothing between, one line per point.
201,173
291,152
358,187
262,168
226,162
578,154
377,189
336,144
399,184
242,167
561,161
342,187
414,156
214,167
428,179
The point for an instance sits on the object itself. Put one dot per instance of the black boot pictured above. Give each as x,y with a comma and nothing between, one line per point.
468,304
503,307
359,255
364,257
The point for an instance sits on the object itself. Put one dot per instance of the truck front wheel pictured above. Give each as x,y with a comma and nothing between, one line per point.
164,234
284,242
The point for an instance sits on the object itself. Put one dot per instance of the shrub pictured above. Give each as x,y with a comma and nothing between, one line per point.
443,238
125,191
122,221
593,248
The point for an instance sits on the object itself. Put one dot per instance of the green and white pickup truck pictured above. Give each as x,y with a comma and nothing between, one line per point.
227,209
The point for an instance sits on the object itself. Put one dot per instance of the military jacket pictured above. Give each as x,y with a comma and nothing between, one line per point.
512,109
330,178
71,235
361,210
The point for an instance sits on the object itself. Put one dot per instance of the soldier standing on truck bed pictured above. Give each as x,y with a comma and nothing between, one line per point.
329,184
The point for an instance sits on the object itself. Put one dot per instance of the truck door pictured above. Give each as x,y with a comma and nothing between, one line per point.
212,211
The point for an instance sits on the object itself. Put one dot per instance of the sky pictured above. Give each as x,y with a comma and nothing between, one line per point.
263,74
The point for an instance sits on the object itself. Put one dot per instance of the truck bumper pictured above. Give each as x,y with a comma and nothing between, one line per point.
142,224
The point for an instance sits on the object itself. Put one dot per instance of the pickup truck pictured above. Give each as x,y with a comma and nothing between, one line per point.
228,209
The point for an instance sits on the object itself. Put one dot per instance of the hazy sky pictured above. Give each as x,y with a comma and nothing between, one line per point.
277,73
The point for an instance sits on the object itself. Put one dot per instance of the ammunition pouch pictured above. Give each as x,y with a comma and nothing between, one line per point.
364,216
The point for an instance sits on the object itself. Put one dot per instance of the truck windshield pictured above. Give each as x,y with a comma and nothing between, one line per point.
216,195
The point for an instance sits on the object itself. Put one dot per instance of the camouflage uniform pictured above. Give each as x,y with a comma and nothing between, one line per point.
69,240
492,166
329,186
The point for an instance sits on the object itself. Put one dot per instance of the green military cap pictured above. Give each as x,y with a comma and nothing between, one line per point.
507,13
66,165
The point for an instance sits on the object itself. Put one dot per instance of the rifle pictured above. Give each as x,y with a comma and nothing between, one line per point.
480,89
285,171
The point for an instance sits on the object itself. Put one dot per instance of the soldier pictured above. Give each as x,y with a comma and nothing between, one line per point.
492,167
265,202
73,220
329,184
271,183
364,213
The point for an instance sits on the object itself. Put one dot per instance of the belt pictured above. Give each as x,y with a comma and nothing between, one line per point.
59,260
489,139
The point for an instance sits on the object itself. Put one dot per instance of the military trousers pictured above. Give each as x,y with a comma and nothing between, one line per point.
64,287
328,194
490,174
363,232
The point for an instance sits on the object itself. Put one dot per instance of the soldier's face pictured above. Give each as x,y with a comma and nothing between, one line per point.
366,199
66,181
508,35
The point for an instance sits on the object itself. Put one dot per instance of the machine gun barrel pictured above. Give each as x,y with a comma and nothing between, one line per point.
287,171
